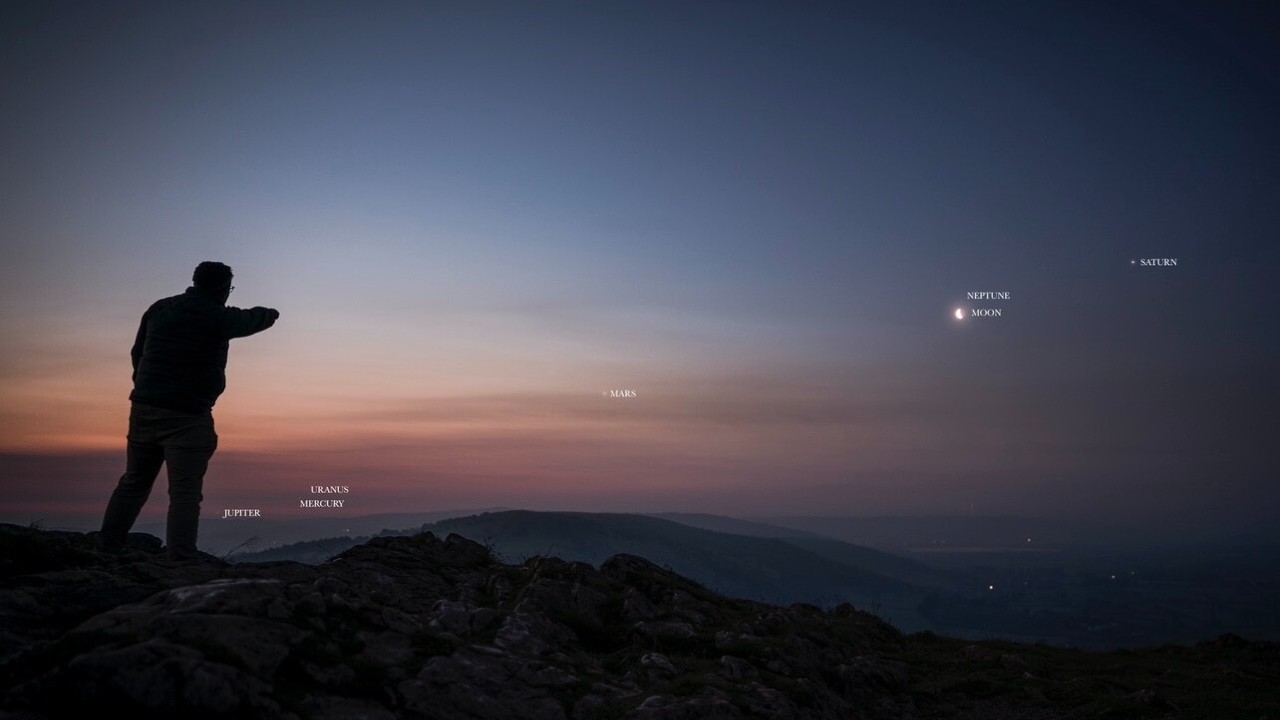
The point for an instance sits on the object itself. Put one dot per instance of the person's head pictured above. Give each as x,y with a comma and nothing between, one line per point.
213,277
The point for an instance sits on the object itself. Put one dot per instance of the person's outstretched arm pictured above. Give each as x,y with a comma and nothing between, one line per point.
241,323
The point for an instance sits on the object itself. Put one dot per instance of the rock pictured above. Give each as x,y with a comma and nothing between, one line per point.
331,707
330,675
978,653
612,691
780,667
478,685
724,639
397,620
1013,661
590,707
151,677
216,618
737,668
657,666
1148,698
386,649
536,674
586,600
452,616
660,632
872,676
636,607
483,619
532,633
712,705
766,702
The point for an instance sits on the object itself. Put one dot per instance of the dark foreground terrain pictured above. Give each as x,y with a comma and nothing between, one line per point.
419,627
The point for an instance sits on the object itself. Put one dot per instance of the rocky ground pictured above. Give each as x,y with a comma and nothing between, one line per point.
423,627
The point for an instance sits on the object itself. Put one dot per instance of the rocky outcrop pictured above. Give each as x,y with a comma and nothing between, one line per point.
424,627
411,627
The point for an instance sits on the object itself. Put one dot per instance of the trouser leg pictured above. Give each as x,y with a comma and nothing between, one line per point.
131,493
187,453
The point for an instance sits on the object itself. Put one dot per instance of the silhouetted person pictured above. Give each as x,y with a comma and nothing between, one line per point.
179,370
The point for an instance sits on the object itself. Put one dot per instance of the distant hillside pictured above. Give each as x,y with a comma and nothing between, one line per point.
767,569
733,526
940,531
591,536
887,564
220,536
858,556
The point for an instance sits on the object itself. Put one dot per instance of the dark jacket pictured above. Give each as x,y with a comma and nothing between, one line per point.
180,356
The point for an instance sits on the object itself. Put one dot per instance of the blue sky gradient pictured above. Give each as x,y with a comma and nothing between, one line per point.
477,217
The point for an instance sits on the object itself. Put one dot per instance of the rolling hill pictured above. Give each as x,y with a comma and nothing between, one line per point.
758,568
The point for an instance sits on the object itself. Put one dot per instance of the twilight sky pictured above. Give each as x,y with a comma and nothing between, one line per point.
476,219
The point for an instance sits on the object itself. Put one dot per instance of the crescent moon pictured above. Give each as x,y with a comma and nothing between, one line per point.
959,313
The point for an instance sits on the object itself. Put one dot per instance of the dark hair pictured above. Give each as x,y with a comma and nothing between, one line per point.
211,275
